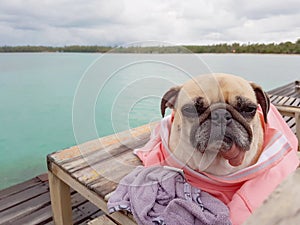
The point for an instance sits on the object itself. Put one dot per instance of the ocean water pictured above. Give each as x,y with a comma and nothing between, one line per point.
51,101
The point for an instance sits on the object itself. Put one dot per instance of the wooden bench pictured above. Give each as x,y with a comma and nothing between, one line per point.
94,169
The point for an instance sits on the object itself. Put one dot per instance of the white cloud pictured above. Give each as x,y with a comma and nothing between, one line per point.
257,9
66,22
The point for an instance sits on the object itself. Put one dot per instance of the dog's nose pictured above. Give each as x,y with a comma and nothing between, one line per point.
221,116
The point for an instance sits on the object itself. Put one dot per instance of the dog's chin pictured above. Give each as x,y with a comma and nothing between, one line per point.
227,149
230,151
221,158
234,155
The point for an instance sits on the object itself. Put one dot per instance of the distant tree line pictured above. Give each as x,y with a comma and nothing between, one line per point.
72,48
281,48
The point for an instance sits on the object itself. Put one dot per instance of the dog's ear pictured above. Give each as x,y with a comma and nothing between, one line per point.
262,99
169,99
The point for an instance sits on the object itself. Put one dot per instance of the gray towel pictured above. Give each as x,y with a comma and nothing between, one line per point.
156,195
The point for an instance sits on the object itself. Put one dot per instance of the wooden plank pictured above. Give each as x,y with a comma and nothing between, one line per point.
111,169
44,215
283,100
275,98
288,90
84,212
278,99
43,177
103,177
129,141
94,145
290,121
282,206
290,101
89,194
23,196
60,200
40,216
77,199
24,208
19,188
291,111
297,102
272,97
104,154
278,90
105,186
79,217
38,208
105,189
286,101
102,220
288,110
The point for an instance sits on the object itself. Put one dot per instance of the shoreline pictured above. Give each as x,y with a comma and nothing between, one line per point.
168,53
221,48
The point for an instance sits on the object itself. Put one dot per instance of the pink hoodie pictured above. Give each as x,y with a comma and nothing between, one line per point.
242,191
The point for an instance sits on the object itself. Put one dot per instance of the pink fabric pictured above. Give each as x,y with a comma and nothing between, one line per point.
244,190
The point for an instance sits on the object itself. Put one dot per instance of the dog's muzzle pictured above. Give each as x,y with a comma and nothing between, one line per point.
221,129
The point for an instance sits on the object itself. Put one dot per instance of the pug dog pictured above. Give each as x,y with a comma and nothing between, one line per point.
216,126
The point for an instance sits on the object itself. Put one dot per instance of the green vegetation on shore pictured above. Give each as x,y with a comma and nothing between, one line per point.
272,48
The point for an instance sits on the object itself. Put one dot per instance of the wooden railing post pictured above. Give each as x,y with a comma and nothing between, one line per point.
297,120
291,111
60,200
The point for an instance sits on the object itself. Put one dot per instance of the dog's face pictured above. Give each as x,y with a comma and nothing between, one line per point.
216,127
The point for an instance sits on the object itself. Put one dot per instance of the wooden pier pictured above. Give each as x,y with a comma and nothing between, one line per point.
29,202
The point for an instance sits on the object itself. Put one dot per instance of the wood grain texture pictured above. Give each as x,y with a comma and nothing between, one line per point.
34,206
60,200
94,145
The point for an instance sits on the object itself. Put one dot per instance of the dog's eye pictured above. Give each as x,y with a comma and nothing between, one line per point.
249,110
245,107
189,110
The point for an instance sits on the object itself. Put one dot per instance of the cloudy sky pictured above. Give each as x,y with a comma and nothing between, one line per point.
115,22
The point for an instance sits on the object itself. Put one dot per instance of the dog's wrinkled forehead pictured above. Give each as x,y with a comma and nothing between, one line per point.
214,89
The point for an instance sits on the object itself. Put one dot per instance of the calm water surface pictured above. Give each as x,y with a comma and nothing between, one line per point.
110,93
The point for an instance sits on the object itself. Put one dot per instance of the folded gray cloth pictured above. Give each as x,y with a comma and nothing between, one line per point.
157,195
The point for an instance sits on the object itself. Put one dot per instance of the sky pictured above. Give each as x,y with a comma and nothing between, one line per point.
121,22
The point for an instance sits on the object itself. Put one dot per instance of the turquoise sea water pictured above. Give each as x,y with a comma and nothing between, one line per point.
110,93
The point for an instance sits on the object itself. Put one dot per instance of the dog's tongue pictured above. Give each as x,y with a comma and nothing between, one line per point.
234,156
